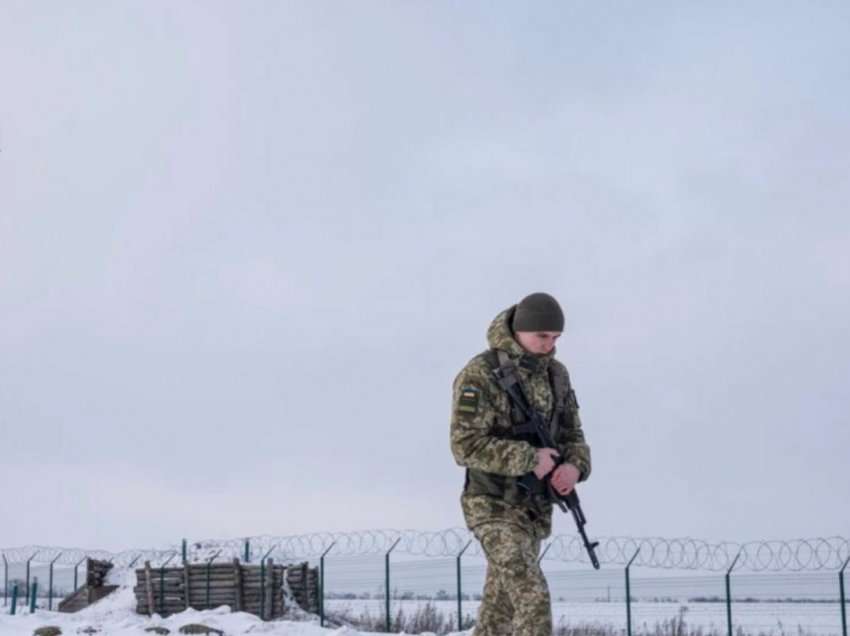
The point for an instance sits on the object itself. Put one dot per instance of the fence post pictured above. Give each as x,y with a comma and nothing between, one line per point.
729,592
629,594
162,582
28,577
262,589
50,588
460,588
322,584
209,564
34,594
75,571
14,598
843,598
263,582
5,581
247,550
184,551
545,550
387,579
133,562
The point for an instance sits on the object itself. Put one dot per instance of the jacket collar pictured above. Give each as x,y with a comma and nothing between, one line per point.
501,337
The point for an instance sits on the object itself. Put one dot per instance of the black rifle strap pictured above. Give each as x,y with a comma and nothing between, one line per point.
505,373
506,377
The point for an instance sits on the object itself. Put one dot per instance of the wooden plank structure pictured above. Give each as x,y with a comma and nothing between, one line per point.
93,590
257,589
303,582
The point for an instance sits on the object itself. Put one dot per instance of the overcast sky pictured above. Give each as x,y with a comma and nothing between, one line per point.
246,247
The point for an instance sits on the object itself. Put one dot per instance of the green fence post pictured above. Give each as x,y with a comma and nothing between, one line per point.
387,579
5,581
460,588
262,589
27,590
76,567
184,551
322,584
729,592
263,582
545,550
209,565
247,550
34,594
14,598
162,583
843,598
50,588
629,595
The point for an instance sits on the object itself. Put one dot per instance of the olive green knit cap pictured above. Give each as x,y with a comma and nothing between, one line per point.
538,312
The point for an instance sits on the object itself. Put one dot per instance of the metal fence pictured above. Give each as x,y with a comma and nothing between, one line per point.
757,587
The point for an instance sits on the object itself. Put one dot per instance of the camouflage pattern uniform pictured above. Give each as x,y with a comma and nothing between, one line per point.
509,522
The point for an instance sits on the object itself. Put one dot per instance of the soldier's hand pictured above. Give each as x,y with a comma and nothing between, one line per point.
564,478
545,462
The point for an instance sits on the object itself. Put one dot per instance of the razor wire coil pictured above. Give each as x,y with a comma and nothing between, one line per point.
684,553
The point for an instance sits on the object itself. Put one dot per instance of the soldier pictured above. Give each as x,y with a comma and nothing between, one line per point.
487,438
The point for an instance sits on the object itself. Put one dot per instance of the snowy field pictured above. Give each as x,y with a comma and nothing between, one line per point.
115,615
753,618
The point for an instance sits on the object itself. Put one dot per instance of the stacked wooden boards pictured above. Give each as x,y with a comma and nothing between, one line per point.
94,589
258,589
303,582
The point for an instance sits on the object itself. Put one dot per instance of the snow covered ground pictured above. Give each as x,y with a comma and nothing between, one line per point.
116,616
754,618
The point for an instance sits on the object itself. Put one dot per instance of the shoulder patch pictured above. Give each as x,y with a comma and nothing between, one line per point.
468,400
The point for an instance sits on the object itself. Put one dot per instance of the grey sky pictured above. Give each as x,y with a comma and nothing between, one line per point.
245,247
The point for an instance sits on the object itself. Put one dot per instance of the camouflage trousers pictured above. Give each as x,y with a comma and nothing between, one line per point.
516,597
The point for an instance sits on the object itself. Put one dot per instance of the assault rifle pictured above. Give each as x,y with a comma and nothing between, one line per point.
537,428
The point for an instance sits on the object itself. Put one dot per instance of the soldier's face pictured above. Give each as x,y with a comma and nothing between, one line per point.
538,342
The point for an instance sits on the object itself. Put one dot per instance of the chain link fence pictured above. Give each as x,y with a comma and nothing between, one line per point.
379,577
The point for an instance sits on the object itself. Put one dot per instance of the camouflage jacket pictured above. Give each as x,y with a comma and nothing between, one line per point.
483,442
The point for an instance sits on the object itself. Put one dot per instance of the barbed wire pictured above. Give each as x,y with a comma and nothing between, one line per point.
795,555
